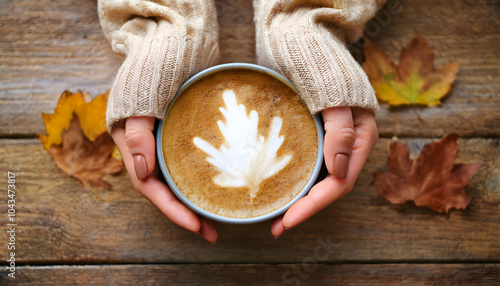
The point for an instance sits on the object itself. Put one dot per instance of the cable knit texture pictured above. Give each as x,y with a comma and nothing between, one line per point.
306,41
166,41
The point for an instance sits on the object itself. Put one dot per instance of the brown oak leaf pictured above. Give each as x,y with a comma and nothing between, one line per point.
83,159
432,180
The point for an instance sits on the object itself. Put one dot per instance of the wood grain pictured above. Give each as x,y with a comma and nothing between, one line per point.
60,222
251,274
51,46
48,47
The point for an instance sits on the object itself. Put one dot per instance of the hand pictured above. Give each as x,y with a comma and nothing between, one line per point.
136,143
351,133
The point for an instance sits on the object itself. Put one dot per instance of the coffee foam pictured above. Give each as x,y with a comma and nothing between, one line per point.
198,113
245,159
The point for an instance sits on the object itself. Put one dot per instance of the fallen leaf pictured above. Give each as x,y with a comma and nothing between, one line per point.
92,117
78,141
432,180
83,159
414,81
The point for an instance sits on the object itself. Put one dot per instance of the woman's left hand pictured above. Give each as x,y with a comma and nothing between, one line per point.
351,133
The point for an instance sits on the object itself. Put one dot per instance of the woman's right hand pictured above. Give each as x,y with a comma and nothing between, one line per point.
136,142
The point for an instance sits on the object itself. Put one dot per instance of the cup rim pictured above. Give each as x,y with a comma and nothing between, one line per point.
197,209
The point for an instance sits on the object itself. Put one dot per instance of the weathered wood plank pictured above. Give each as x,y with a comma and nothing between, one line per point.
49,46
61,222
258,274
236,31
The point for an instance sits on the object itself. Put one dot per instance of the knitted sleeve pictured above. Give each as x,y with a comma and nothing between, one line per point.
306,41
163,42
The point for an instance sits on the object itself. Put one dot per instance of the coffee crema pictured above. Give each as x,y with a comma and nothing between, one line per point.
239,143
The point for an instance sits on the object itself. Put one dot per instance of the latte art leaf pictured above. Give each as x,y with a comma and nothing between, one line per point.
245,159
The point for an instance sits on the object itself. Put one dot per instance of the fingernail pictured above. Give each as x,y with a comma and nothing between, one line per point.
341,162
141,169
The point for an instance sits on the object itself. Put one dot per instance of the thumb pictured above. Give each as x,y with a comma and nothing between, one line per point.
339,139
141,142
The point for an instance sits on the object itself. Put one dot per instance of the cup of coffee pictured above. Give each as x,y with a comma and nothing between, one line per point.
238,144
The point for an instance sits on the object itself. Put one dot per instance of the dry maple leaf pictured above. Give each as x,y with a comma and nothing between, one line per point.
414,81
432,180
78,141
83,159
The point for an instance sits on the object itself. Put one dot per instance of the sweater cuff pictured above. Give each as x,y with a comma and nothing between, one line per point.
320,66
153,71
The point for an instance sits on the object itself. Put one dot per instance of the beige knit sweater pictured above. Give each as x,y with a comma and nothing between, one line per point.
164,42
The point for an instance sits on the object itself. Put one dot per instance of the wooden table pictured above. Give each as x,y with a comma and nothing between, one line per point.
67,234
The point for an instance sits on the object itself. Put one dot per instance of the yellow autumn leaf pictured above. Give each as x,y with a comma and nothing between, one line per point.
414,80
78,141
92,117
